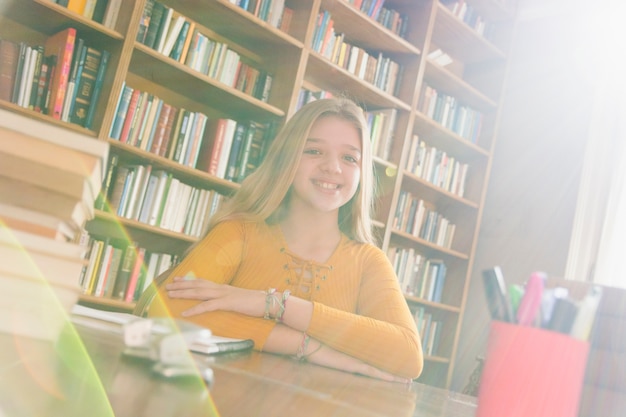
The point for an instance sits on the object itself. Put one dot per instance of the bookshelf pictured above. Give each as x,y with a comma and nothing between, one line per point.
395,66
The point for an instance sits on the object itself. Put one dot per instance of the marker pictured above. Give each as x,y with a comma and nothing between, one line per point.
586,314
531,301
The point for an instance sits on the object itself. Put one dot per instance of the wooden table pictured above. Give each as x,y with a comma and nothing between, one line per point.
84,374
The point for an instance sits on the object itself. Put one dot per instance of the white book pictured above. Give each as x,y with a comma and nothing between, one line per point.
170,204
90,6
29,77
159,198
231,125
167,21
102,274
172,35
148,200
111,13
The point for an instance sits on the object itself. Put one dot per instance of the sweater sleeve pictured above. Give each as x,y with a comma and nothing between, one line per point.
216,258
382,332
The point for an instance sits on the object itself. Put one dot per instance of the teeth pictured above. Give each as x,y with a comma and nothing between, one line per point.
327,186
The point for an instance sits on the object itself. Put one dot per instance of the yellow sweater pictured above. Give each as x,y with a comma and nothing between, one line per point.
358,307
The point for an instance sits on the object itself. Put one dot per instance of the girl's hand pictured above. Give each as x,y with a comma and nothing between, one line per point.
213,297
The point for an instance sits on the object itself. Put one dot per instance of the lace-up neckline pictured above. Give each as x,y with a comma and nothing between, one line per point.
304,277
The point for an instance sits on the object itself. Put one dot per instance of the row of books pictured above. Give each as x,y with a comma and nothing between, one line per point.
120,270
62,78
373,68
222,147
306,96
418,275
101,11
416,217
436,167
429,330
450,113
274,12
382,125
470,16
391,19
165,30
155,197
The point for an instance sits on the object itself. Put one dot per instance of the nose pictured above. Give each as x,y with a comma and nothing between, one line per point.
331,164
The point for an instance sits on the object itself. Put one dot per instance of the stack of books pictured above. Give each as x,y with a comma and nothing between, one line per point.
49,180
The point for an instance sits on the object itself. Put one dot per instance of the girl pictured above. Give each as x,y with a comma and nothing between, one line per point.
289,260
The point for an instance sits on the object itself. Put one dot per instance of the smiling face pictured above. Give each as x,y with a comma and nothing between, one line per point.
330,168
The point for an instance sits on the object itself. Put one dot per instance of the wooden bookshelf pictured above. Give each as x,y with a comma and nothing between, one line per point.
475,79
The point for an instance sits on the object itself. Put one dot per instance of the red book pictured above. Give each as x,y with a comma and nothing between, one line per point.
9,55
134,276
212,143
130,115
161,128
61,45
168,133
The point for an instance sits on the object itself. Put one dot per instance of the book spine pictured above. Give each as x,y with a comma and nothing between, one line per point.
84,92
9,58
78,65
91,111
100,9
62,45
120,112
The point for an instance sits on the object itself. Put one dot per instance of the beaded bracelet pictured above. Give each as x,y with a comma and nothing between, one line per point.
282,305
270,299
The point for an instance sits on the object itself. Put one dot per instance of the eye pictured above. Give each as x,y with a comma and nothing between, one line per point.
312,151
351,158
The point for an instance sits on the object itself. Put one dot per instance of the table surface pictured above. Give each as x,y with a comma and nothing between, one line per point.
85,374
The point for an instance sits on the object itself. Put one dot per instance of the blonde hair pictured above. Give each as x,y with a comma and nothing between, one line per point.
264,194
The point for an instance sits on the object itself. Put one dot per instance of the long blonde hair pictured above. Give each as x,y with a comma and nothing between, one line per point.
264,193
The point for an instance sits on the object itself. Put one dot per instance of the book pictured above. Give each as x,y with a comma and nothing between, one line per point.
90,7
9,57
134,277
86,65
61,45
116,261
99,10
181,41
158,10
39,58
212,145
91,111
25,75
77,6
163,130
78,63
120,111
129,115
163,29
103,269
70,173
37,223
111,13
126,269
107,184
144,21
44,80
172,35
235,152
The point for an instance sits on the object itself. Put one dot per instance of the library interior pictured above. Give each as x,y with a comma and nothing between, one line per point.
135,134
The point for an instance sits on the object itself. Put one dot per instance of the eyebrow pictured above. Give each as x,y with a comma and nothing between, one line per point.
316,140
